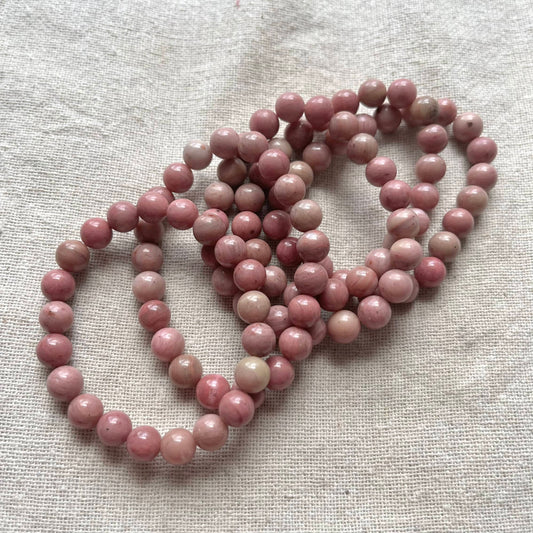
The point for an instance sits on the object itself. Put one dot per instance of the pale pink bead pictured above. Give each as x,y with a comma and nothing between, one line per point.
302,169
210,432
281,373
219,195
251,145
143,443
444,245
275,282
182,213
249,275
395,194
388,118
401,93
430,272
56,317
343,326
372,93
345,100
310,278
222,281
432,139
299,134
379,261
362,280
340,274
467,126
265,121
406,254
336,146
230,250
148,285
185,371
424,110
289,293
313,246
259,250
481,150
277,224
122,216
425,196
318,111
403,223
84,411
147,256
224,142
113,428
209,228
473,199
430,168
335,296
252,374
395,286
278,143
154,315
483,175
304,310
210,390
414,292
362,148
423,220
58,284
152,207
389,240
289,189
306,215
246,225
447,111
343,125
54,350
318,331
258,339
64,383
273,164
236,408
178,177
231,171
295,343
72,256
458,221
380,170
253,306
327,263
96,233
197,155
287,252
290,107
278,319
249,197
374,312
317,155
367,124
148,232
178,447
167,344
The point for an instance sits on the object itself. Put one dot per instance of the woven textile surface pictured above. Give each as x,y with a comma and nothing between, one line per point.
425,426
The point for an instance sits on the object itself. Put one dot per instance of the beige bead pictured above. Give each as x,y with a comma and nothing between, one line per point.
252,374
444,245
424,110
302,169
473,199
72,256
253,306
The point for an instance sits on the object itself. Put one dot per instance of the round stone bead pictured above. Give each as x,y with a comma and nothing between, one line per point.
219,195
313,246
253,306
401,93
289,293
445,246
287,252
122,216
162,191
343,326
251,145
447,111
208,256
481,150
424,110
148,285
395,194
380,170
222,281
430,168
367,124
96,233
64,383
232,171
304,311
152,207
178,447
224,143
327,263
388,118
265,121
252,374
306,215
374,312
362,281
362,148
84,411
336,146
56,317
154,315
425,196
147,256
430,272
295,343
208,229
185,371
278,143
343,126
334,297
210,432
182,213
258,339
143,443
311,278
249,275
236,408
302,169
277,224
290,107
395,286
249,197
406,254
317,155
345,100
423,220
273,164
318,111
58,284
473,199
340,274
432,139
259,250
246,225
72,256
481,174
113,428
230,250
372,93
167,344
467,126
403,223
147,232
318,331
379,261
458,221
281,373
278,319
197,155
210,390
299,134
178,177
289,189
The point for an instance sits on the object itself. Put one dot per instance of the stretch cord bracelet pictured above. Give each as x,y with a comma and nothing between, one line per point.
241,259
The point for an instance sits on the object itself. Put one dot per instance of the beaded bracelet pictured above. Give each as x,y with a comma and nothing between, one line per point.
241,259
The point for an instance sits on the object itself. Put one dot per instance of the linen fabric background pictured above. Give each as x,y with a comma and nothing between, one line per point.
424,426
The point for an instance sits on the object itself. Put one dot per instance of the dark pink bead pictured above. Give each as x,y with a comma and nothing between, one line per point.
281,373
430,272
458,221
154,315
178,177
273,201
232,171
327,263
304,310
209,228
432,139
236,408
182,213
424,196
299,134
249,275
311,278
388,118
278,319
447,111
147,232
318,111
318,331
336,146
147,256
152,207
481,150
374,312
222,281
362,148
313,246
64,383
58,284
401,93
430,168
317,155
210,390
113,428
287,252
54,350
84,411
246,225
251,145
395,194
483,175
380,170
273,164
343,126
143,443
372,93
290,107
224,143
208,256
96,233
230,250
275,282
467,126
367,124
265,121
277,224
56,317
345,100
258,339
295,343
289,293
335,296
122,216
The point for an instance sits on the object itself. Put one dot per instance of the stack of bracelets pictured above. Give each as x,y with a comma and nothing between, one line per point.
240,259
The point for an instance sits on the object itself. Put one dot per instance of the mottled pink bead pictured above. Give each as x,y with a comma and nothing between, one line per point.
277,224
64,383
148,285
467,126
167,344
483,175
274,203
289,189
222,281
424,196
122,216
58,284
458,221
304,310
96,233
318,111
299,134
54,350
182,213
72,256
84,411
317,155
178,177
295,343
311,278
447,111
430,168
289,293
246,225
388,118
251,145
367,124
275,282
318,331
335,296
395,286
219,195
210,432
230,250
152,207
379,261
481,150
444,245
423,220
249,275
374,312
306,215
249,197
231,171
340,274
336,146
345,100
424,110
380,170
154,315
259,250
113,428
148,232
208,256
372,93
302,169
236,408
264,121
432,139
473,199
343,125
290,107
343,326
210,390
362,148
406,254
395,194
401,93
327,263
162,191
224,143
403,223
258,339
313,246
56,317
185,371
147,256
197,155
362,281
253,306
213,211
209,228
143,443
178,447
430,272
281,373
273,164
278,143
278,319
389,240
287,252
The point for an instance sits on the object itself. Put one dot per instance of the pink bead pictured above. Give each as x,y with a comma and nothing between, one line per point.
58,284
403,223
367,124
281,373
219,195
147,256
265,121
258,339
253,306
379,261
287,252
401,93
313,246
335,296
343,326
424,196
414,292
152,207
154,315
467,126
56,317
277,224
482,174
274,203
236,408
317,155
251,374
311,278
210,390
72,256
432,139
447,111
208,229
304,311
372,93
259,250
388,118
232,171
208,256
54,350
327,263
336,146
423,220
362,148
213,211
406,254
143,443
458,221
64,383
273,164
278,319
147,232
299,134
178,177
362,281
389,240
251,145
246,225
430,272
178,447
340,274
318,331
290,107
167,344
96,233
197,155
224,143
222,281
210,432
430,168
374,312
230,250
249,275
185,371
473,199
148,285
395,194
481,150
84,411
380,170
182,213
289,189
113,428
162,191
343,126
444,245
249,197
122,216
295,343
395,286
423,111
289,293
318,111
